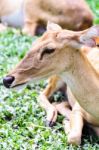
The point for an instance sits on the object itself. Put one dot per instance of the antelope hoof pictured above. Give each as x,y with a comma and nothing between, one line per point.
74,139
50,123
51,116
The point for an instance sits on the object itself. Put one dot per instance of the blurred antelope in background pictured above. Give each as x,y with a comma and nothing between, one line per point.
32,15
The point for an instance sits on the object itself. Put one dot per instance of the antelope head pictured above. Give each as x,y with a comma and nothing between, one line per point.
53,53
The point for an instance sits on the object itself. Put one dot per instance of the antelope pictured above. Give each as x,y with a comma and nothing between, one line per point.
32,16
61,52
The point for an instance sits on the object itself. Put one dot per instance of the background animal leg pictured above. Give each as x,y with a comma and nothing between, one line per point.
29,28
2,27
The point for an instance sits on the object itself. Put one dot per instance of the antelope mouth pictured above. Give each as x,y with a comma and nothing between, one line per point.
18,85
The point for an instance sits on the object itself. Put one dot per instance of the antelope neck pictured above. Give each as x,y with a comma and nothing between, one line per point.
84,84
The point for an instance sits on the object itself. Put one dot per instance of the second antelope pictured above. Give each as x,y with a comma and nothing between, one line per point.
32,16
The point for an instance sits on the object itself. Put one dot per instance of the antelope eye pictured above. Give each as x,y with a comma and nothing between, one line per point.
47,51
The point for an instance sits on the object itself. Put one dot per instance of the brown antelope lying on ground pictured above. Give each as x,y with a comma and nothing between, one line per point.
30,14
60,52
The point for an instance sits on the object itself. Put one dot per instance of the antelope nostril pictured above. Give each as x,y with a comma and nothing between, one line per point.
7,81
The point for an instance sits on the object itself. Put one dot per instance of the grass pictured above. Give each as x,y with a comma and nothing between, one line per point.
22,121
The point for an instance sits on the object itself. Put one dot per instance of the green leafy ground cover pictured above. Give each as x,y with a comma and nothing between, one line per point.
22,121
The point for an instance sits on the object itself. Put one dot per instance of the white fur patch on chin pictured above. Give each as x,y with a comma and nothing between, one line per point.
19,88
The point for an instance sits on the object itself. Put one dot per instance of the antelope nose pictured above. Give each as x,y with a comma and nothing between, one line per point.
7,81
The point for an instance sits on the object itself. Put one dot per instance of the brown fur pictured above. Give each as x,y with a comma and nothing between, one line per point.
69,14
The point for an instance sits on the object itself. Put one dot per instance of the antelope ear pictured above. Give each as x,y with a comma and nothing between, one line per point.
53,26
91,37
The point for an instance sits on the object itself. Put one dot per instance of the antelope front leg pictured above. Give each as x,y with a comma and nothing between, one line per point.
64,109
76,125
72,124
29,28
2,27
44,100
69,123
49,108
